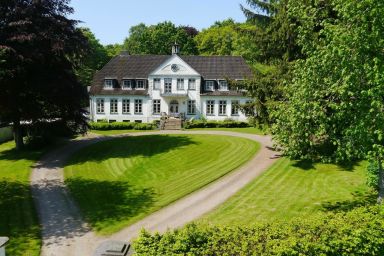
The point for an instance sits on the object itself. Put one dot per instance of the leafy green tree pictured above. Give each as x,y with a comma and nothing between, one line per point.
113,49
96,58
335,104
37,79
158,39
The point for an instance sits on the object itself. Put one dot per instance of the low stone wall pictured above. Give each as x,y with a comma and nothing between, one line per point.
6,133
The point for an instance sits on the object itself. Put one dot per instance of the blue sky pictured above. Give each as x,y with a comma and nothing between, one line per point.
111,20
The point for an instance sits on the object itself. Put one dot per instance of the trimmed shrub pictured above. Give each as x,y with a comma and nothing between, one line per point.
358,232
121,126
215,124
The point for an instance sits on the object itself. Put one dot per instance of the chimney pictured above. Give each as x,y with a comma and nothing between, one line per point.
175,49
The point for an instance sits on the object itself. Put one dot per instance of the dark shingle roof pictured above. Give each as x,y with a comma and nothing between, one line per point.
140,66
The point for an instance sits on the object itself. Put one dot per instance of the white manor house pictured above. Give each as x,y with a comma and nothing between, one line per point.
142,88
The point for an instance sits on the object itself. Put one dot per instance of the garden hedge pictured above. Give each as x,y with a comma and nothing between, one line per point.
358,232
121,126
215,124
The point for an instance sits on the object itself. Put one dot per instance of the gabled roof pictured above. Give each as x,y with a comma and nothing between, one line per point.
140,66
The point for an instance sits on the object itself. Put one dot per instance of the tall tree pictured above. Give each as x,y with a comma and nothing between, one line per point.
37,80
335,104
158,39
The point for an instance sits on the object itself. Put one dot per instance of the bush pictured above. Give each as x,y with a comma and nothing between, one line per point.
358,232
121,126
215,124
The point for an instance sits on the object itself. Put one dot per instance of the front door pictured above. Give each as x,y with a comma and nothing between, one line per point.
174,108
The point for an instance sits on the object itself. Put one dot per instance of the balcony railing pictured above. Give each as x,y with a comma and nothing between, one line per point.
164,93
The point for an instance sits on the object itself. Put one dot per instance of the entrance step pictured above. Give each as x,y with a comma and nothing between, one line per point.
171,124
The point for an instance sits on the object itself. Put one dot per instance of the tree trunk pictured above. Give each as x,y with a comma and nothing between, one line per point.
18,134
381,182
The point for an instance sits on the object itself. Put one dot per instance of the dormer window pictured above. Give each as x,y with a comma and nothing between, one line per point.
108,84
223,85
127,85
209,85
140,84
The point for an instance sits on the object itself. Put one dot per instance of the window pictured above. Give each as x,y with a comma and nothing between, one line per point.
210,107
191,84
156,106
168,85
180,84
113,106
235,108
138,106
156,83
100,106
108,84
112,121
138,121
223,85
209,85
127,84
140,84
126,108
191,107
222,107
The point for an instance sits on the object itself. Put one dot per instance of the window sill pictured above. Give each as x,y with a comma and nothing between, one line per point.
126,89
210,114
138,113
100,113
126,113
235,115
191,114
223,115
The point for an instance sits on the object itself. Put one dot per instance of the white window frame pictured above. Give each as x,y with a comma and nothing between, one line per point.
223,85
156,107
235,107
156,83
114,106
191,108
142,86
138,106
100,107
209,85
180,84
191,81
127,84
126,106
108,84
167,82
210,107
222,107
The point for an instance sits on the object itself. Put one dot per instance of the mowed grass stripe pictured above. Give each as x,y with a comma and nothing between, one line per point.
290,189
120,181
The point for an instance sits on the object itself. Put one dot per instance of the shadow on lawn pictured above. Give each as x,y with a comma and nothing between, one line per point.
307,165
104,202
359,199
18,220
123,147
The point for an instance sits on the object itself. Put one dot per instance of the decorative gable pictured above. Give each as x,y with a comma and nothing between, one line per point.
174,66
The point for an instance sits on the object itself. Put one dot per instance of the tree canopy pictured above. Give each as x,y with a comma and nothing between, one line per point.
39,47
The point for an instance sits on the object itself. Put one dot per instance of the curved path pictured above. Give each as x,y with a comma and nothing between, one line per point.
64,233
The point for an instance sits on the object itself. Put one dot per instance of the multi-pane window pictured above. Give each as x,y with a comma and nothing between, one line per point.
180,83
126,108
156,106
156,83
113,106
191,107
235,107
140,84
108,84
222,107
127,84
191,84
100,106
167,85
223,85
210,107
209,85
138,106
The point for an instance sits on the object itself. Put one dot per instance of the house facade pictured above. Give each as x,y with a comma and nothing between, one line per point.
142,88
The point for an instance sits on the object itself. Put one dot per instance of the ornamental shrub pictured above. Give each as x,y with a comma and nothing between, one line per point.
215,124
121,126
357,232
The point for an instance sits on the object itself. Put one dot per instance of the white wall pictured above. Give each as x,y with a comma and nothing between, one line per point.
229,99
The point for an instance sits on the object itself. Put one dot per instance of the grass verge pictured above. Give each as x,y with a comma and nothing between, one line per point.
292,189
120,181
18,219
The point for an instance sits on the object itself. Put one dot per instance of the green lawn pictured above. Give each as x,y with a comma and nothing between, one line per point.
290,189
18,218
251,130
120,181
